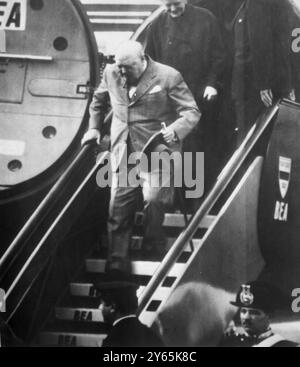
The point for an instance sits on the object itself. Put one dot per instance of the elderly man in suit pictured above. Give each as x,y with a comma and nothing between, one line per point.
143,94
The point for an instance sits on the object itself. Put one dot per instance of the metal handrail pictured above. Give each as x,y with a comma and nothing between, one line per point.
41,211
143,27
222,183
54,225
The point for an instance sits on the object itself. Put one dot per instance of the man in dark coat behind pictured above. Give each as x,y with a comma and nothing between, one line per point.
257,34
188,39
190,43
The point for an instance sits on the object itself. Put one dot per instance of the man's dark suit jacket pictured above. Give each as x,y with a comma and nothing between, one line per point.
131,332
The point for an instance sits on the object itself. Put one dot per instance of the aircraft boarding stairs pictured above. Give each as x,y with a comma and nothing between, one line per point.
224,254
78,319
186,295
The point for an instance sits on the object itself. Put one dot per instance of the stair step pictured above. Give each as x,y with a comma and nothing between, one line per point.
88,290
79,302
79,314
74,327
84,290
83,314
94,278
62,339
138,267
177,220
137,241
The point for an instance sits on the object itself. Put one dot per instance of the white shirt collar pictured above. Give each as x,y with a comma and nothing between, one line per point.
123,318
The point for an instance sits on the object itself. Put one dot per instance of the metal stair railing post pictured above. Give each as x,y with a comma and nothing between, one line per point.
42,290
143,27
183,209
222,182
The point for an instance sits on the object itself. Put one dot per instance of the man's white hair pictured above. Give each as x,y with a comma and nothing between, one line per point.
129,49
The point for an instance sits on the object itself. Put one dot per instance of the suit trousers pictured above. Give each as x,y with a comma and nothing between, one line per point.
156,189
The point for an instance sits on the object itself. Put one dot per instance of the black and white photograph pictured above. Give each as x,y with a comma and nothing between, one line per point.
149,176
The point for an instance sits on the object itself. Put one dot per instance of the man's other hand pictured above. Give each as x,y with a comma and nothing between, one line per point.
210,93
168,134
266,97
92,134
292,95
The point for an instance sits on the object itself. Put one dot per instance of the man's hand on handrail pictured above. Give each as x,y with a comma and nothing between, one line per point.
90,135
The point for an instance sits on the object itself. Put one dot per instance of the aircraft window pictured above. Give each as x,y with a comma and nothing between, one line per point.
49,132
60,43
36,4
14,166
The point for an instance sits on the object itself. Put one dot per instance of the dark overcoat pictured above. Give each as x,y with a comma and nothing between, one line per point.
269,36
131,332
191,44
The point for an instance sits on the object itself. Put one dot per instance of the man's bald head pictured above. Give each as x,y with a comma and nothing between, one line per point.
130,58
128,50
